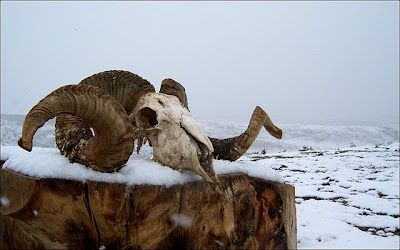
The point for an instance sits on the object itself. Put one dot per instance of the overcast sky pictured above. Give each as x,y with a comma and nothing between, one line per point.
300,61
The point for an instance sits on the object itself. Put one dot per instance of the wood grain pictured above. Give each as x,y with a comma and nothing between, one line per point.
242,212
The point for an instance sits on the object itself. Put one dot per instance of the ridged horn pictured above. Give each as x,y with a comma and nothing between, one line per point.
112,144
70,132
232,148
172,87
124,86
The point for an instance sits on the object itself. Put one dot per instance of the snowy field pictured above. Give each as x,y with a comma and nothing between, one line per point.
346,177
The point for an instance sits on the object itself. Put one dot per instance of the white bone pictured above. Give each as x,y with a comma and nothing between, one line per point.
176,136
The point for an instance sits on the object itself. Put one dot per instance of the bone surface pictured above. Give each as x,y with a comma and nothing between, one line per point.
176,134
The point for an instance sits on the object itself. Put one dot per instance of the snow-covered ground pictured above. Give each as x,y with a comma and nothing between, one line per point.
347,198
346,177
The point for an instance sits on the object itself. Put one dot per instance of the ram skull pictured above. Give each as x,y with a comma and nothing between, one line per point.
121,108
176,138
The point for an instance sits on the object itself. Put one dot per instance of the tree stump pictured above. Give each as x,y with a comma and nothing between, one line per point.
243,212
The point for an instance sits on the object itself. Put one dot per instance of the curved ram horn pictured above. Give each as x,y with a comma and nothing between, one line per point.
232,148
124,86
112,144
172,87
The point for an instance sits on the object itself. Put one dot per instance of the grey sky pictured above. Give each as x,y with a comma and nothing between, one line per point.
300,61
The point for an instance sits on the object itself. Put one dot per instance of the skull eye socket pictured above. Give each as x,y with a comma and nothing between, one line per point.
147,118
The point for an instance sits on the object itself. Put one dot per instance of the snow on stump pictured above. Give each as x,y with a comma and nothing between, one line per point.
243,212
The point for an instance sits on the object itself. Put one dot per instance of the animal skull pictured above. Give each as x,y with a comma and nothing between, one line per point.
121,107
176,138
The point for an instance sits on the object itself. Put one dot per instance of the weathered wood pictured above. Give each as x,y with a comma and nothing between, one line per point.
243,212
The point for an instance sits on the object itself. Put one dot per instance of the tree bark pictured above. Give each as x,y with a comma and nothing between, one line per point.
242,212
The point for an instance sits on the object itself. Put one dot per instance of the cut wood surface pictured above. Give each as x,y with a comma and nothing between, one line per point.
242,212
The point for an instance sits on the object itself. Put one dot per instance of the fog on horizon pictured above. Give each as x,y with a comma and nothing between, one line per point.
300,61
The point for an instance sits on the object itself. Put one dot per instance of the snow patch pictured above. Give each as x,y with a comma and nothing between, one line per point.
182,220
140,169
4,201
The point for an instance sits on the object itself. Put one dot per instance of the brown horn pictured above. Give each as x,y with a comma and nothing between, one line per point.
172,87
112,144
232,148
271,128
124,86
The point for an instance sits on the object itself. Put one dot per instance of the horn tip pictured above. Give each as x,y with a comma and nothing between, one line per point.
27,145
279,134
